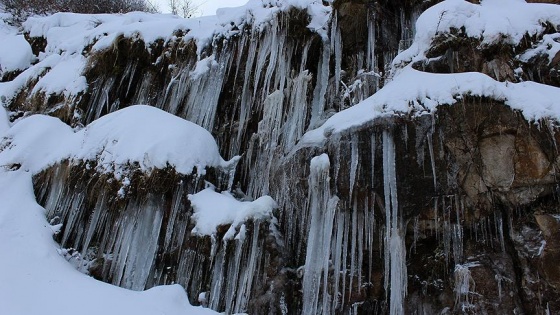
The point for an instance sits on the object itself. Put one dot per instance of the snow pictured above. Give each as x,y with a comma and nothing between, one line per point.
424,92
65,77
413,92
489,21
549,46
203,66
138,134
35,279
212,209
69,38
15,51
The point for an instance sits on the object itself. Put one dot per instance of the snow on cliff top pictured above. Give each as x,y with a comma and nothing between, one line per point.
491,21
137,134
69,36
414,92
71,32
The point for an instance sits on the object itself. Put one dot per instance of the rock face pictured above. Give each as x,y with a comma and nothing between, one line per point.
448,212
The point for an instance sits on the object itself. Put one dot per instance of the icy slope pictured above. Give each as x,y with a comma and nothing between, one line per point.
35,279
33,275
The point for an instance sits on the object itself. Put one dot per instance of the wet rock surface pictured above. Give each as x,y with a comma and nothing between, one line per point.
468,194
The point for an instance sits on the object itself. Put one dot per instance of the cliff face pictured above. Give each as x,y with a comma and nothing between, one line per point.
436,195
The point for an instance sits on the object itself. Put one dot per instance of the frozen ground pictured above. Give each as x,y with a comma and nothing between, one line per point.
35,279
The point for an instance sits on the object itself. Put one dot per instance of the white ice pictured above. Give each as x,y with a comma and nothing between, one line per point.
212,209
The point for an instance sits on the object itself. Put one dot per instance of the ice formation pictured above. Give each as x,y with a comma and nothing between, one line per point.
315,218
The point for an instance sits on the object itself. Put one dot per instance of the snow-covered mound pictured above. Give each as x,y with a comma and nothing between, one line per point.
35,279
15,51
492,21
72,37
414,92
212,209
142,135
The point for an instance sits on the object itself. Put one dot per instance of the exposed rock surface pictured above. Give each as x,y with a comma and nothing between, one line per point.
471,190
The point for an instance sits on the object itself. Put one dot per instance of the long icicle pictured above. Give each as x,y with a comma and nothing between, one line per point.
395,249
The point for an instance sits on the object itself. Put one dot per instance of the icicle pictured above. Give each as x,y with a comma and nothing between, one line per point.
345,242
269,130
175,209
395,251
432,157
464,286
95,220
295,122
75,213
322,212
500,223
328,220
337,257
499,279
136,244
457,238
353,242
202,99
246,280
360,250
354,161
370,234
336,47
99,98
246,95
235,268
371,59
218,278
318,104
457,233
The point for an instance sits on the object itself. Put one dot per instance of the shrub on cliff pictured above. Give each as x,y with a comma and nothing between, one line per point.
21,9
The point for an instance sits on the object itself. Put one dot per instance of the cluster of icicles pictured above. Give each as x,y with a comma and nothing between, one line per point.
130,241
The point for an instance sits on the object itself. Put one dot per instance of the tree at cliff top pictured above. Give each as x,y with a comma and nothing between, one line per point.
21,9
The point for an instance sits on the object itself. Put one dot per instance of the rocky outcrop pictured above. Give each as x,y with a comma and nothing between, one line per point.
444,212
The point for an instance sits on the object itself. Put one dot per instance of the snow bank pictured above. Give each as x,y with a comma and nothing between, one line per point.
138,134
15,53
149,136
69,38
492,21
71,32
415,93
35,279
212,209
64,77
